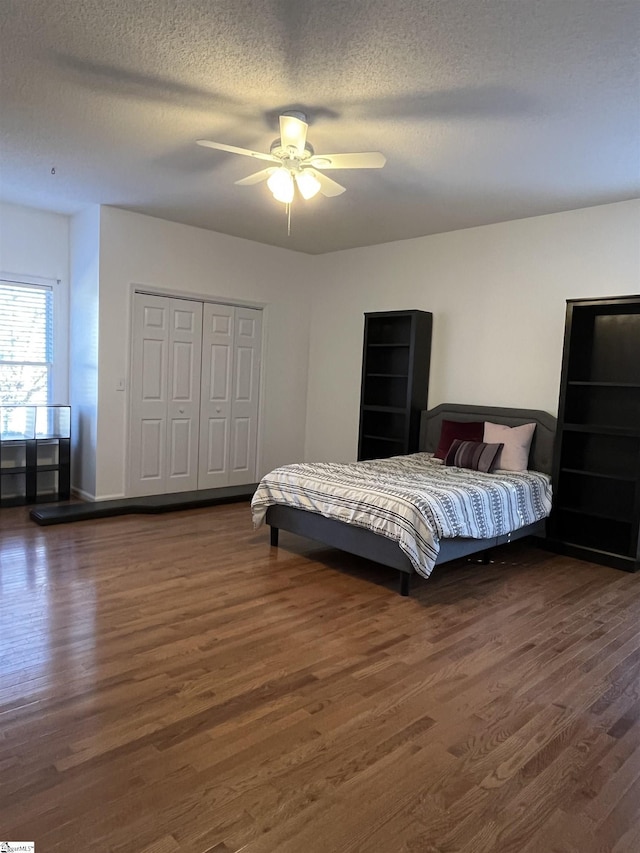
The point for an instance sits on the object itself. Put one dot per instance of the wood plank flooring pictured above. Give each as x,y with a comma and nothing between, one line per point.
172,684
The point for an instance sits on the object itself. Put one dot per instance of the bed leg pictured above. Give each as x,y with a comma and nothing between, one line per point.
405,582
274,536
486,558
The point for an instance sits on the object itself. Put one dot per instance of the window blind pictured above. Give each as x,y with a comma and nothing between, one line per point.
26,342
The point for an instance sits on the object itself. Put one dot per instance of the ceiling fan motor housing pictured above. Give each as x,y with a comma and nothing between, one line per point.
284,152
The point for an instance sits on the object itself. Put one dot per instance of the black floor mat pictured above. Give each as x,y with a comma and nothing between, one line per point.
81,511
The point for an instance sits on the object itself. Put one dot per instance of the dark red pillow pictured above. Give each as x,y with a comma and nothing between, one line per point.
464,430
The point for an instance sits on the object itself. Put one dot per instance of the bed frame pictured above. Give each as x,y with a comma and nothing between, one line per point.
372,546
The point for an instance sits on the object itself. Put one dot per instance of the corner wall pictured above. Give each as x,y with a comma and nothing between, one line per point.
142,250
497,294
84,366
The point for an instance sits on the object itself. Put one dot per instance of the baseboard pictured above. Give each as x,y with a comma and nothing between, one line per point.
82,495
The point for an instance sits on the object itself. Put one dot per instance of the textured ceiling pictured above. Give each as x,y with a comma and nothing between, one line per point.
487,110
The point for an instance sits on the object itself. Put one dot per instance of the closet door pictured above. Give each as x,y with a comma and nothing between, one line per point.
183,397
215,397
231,353
148,420
244,404
165,390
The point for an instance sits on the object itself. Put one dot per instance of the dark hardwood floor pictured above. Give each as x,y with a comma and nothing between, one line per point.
171,683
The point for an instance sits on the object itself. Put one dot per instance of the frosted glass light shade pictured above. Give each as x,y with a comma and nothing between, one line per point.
308,184
281,185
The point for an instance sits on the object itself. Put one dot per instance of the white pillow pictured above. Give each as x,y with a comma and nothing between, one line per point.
514,456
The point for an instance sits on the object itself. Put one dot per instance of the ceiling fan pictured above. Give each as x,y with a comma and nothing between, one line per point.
295,164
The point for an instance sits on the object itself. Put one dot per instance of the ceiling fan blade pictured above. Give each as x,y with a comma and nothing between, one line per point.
328,187
363,160
232,149
255,178
293,132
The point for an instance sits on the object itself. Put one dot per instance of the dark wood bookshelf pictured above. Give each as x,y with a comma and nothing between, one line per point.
395,380
596,514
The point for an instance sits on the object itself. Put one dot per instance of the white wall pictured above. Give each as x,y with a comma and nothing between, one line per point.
34,246
141,250
497,294
84,372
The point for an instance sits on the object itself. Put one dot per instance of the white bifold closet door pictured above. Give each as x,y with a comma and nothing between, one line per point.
231,352
195,377
165,397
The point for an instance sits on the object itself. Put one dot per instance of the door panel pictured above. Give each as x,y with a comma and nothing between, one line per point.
148,411
183,359
183,319
183,409
154,364
241,437
244,406
180,448
220,373
152,450
244,374
215,406
155,316
217,443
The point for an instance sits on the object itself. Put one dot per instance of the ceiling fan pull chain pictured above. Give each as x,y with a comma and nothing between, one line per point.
288,220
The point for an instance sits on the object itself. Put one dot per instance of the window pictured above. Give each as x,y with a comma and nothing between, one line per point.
26,342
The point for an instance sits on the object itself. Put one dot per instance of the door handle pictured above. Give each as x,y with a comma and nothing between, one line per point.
181,411
218,410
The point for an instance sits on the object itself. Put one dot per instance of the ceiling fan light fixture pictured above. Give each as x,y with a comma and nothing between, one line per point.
281,185
294,163
308,184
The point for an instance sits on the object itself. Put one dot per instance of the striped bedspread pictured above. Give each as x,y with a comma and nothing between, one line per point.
414,500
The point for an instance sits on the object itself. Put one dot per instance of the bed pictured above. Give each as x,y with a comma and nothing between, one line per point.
361,538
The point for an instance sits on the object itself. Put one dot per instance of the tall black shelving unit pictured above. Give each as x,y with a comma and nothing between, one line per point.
395,382
596,513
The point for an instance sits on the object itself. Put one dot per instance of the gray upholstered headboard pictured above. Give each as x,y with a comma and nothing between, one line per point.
541,454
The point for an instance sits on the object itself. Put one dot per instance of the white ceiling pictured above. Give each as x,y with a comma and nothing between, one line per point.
487,110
